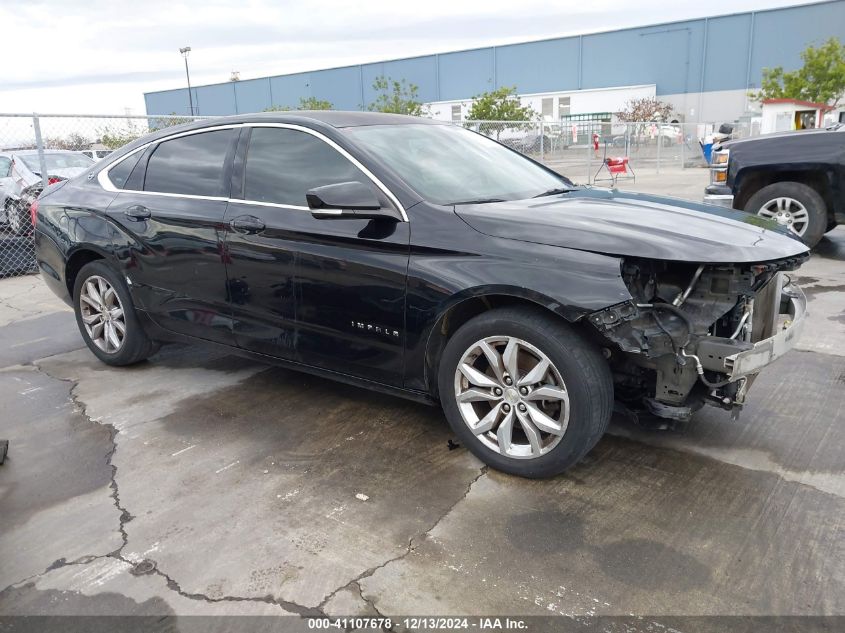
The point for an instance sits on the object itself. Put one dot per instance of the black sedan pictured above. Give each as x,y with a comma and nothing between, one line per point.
422,259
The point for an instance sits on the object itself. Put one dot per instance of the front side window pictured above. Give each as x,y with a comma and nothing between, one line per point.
5,166
190,165
447,164
282,164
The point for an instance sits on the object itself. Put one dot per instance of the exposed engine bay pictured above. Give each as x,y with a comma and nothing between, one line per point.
697,333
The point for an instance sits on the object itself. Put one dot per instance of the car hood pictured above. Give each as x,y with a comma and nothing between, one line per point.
615,222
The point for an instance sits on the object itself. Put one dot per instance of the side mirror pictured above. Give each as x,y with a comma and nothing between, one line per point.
346,200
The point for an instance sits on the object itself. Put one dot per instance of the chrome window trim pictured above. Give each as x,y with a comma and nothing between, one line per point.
105,183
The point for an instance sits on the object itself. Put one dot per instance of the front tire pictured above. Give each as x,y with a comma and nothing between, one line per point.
794,205
106,317
524,392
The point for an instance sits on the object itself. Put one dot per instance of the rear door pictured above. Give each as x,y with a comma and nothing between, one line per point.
327,293
171,208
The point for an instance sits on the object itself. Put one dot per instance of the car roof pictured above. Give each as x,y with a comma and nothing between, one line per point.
333,118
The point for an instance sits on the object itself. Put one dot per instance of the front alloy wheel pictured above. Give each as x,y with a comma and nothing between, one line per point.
102,314
512,397
524,391
787,212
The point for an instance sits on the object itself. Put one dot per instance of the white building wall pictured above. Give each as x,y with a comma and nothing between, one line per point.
580,101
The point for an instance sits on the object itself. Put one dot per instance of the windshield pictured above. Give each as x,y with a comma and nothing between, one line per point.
57,161
447,164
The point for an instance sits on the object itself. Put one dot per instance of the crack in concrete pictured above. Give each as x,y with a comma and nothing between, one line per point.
413,543
125,517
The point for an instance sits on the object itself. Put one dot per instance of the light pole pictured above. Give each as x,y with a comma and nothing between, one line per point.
185,52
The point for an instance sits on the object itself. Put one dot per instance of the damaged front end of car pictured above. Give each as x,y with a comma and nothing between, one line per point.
698,333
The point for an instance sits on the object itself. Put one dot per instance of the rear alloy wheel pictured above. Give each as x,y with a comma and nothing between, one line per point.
18,222
102,314
793,205
524,392
106,317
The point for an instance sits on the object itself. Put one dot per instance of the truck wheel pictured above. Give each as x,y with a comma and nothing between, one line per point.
794,205
524,392
106,317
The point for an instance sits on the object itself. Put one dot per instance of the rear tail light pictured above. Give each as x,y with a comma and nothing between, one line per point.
52,180
33,212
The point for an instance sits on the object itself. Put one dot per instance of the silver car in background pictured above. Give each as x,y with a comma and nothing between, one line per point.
20,181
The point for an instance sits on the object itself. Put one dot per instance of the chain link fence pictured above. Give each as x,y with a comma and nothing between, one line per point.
36,150
580,149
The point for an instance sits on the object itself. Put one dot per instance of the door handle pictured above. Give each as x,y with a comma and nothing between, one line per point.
248,224
137,212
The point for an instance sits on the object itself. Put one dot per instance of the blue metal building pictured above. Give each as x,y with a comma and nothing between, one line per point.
704,66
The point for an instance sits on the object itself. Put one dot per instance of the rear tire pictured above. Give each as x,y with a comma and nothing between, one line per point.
558,411
18,217
785,201
106,317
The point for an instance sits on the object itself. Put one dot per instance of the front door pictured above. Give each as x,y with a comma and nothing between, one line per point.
324,292
173,223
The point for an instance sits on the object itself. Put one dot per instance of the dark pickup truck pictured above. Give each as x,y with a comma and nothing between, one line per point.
795,178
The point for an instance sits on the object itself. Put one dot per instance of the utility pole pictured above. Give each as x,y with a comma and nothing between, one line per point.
185,52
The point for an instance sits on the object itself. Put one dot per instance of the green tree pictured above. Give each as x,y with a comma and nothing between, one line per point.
501,104
114,137
167,121
309,103
821,79
313,103
397,97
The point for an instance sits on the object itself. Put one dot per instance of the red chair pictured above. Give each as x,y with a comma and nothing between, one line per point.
617,167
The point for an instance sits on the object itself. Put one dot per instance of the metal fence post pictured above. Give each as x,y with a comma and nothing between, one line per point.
39,145
589,135
542,149
659,143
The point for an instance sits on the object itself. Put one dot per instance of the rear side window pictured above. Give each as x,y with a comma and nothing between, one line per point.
190,165
119,174
282,164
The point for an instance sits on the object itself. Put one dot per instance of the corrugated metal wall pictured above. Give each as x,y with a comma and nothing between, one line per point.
720,53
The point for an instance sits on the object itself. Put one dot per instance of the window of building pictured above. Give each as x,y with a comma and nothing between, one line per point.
547,105
191,165
456,114
282,164
563,106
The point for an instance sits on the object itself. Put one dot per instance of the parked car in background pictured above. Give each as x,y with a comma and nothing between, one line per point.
418,258
21,182
795,178
96,154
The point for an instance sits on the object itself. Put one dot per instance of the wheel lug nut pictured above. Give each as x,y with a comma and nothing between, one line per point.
508,380
497,391
521,407
523,391
506,407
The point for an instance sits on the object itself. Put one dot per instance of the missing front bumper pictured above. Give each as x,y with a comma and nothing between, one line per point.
792,306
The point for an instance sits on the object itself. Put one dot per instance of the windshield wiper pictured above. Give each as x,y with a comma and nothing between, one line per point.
479,201
553,192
